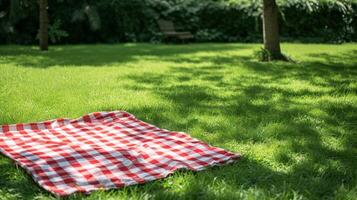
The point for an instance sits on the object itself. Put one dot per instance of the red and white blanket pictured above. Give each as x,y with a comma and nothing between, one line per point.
103,150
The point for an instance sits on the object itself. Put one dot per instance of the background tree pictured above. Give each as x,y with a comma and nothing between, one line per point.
43,31
111,21
271,30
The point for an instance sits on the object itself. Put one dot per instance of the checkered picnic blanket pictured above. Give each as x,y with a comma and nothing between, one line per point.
103,150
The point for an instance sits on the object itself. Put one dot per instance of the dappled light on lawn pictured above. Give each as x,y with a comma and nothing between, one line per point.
293,123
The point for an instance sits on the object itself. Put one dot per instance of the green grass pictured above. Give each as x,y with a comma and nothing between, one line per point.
294,123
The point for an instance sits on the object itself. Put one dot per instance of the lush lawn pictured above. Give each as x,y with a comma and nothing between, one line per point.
295,124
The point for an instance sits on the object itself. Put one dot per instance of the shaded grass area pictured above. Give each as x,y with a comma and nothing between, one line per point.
294,123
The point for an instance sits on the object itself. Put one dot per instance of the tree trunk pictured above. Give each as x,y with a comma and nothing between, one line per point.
43,31
271,28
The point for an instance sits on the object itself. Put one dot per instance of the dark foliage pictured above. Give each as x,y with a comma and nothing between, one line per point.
110,21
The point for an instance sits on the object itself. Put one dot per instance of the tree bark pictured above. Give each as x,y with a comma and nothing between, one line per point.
271,28
43,31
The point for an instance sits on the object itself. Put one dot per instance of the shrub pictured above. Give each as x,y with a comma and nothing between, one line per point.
110,21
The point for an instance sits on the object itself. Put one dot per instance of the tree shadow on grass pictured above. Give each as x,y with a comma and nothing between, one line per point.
101,55
317,144
14,181
314,142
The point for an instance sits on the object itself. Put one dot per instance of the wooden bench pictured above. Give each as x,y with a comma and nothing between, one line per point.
169,31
